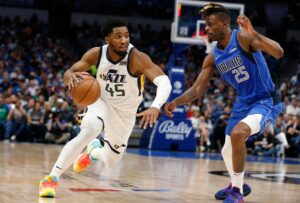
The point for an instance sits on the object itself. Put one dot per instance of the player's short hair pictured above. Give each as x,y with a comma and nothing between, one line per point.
111,24
214,8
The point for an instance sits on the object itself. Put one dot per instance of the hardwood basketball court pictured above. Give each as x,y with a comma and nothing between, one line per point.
142,176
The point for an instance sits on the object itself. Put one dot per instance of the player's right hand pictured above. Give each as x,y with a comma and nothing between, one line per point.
74,78
169,108
245,23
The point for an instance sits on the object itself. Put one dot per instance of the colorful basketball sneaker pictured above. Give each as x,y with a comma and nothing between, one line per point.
47,186
234,196
85,159
223,193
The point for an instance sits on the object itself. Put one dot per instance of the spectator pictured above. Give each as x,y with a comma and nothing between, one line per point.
293,137
266,145
3,116
279,132
67,112
205,128
29,105
36,127
293,108
57,130
16,122
285,103
218,133
218,108
194,118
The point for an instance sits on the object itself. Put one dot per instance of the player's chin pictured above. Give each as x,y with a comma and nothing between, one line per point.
121,52
123,48
210,39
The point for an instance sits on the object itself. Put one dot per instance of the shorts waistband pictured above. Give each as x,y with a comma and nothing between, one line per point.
272,95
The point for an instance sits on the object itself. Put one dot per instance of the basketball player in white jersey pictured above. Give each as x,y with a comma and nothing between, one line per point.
121,71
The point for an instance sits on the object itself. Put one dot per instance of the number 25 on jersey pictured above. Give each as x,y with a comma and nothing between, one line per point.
240,74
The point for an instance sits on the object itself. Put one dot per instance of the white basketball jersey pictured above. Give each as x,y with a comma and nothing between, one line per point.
119,88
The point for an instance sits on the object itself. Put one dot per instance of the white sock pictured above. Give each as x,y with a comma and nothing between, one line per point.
227,156
238,181
72,149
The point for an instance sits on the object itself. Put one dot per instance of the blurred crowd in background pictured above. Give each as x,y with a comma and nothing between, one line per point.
35,106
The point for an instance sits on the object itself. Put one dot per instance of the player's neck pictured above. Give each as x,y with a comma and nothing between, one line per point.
113,56
225,41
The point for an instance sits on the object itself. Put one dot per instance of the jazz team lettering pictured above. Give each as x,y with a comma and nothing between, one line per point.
116,83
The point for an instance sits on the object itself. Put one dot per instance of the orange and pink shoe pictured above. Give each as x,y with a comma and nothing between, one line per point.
48,186
85,159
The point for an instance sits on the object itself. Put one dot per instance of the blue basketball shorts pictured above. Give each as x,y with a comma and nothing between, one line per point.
257,115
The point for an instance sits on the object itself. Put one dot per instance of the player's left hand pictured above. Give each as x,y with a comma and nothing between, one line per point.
149,117
246,25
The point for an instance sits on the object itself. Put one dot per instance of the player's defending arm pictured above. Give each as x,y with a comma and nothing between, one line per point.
142,64
72,75
252,40
197,89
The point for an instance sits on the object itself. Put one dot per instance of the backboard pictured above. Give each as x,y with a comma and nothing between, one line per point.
188,27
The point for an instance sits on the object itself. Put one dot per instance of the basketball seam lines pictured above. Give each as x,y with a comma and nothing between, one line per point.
73,90
87,90
98,93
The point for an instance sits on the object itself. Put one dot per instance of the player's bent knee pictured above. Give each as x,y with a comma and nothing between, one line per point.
91,124
241,132
237,136
89,132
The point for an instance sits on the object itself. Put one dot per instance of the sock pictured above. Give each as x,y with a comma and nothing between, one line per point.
56,171
238,181
227,156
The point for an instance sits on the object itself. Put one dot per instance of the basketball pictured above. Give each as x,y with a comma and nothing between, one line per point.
87,91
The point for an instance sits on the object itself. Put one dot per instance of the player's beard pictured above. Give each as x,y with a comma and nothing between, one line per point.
120,53
210,38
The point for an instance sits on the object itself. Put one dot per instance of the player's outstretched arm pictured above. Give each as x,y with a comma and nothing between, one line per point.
252,40
197,89
142,64
73,75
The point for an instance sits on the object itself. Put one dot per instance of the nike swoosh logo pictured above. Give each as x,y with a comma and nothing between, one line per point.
232,50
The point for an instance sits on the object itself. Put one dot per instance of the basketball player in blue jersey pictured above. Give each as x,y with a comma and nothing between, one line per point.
120,71
238,59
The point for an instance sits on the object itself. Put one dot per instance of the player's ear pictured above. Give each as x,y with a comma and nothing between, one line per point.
106,40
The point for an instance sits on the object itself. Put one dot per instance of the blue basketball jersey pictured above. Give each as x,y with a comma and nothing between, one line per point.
247,73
